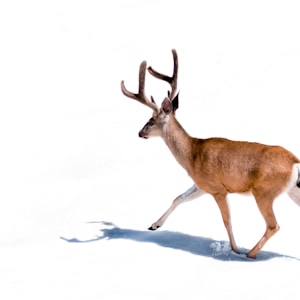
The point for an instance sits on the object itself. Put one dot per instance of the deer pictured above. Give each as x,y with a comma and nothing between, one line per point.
219,166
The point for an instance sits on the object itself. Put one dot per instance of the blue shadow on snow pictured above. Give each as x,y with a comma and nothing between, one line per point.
206,247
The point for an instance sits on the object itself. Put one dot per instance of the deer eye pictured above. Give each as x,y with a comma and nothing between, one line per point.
150,123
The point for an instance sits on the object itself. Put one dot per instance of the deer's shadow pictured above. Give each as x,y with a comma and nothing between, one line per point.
196,245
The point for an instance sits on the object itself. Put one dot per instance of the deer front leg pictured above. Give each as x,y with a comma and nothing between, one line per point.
191,194
225,212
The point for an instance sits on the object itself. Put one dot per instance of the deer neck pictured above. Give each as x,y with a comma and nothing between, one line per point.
178,141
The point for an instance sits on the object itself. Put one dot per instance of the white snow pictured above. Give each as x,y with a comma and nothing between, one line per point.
79,188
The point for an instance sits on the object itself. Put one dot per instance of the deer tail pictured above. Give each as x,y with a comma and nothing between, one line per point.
294,189
298,180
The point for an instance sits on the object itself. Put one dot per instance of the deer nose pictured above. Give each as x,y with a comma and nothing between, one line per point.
141,135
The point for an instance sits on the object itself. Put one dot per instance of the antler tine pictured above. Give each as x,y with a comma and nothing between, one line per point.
171,80
140,96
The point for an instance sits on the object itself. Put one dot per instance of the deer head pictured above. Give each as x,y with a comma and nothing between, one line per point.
161,115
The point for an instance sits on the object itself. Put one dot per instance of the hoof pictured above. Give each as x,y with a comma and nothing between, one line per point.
236,251
249,255
153,229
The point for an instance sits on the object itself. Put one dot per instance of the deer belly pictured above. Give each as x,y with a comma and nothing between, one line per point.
219,182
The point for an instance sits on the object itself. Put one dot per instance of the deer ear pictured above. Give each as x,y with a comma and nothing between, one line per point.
175,103
166,106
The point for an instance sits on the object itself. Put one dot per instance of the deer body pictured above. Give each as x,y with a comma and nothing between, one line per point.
220,166
224,166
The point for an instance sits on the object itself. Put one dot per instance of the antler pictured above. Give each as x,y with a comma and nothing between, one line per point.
171,80
140,96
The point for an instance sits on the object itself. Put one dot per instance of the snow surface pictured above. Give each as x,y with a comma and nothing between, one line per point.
79,188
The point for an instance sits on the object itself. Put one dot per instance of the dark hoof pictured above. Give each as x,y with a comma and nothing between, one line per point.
153,229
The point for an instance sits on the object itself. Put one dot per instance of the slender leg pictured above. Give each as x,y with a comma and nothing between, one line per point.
225,212
265,206
191,194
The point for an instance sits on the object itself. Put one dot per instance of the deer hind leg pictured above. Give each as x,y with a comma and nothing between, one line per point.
265,206
225,212
191,194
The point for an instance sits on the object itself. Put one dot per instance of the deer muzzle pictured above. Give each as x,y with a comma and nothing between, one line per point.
142,134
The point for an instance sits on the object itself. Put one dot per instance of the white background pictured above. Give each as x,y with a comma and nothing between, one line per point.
79,188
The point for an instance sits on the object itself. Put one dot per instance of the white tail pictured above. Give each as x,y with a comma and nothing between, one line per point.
220,166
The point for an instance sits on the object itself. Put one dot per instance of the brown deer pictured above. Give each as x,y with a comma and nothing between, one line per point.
219,166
